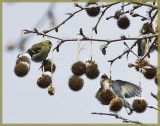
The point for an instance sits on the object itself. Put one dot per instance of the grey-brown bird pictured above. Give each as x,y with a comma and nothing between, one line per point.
121,89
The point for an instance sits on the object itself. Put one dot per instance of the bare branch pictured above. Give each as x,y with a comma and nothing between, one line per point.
130,49
154,96
145,4
119,117
103,12
153,108
89,39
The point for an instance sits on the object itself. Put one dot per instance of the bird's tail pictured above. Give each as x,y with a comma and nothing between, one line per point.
127,106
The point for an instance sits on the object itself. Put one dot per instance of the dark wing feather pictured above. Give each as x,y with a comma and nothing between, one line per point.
35,49
129,89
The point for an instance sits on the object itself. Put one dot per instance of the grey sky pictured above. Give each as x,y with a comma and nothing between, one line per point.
25,102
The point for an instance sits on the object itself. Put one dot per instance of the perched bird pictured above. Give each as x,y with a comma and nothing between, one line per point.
39,51
122,89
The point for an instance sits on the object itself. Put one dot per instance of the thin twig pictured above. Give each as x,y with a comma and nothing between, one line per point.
149,49
145,4
130,49
117,116
103,12
154,96
72,14
153,108
87,39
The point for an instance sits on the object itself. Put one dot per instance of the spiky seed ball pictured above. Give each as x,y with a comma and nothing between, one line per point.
44,81
78,68
51,91
150,73
92,71
123,22
116,104
139,105
47,66
23,59
21,69
76,83
117,14
106,96
93,11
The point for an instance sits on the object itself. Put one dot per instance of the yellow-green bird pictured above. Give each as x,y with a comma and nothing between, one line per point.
39,52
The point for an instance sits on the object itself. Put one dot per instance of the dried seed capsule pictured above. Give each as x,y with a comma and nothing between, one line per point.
45,80
139,105
76,83
116,104
78,68
94,10
123,22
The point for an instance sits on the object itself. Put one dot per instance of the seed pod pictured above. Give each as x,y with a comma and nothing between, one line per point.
47,66
130,65
117,14
78,68
45,80
140,64
106,96
92,71
150,73
51,91
24,58
139,105
104,51
21,69
94,10
116,104
123,22
75,83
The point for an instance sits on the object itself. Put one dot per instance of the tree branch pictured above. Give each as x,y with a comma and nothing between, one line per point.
145,4
153,108
72,14
87,39
154,96
103,12
119,117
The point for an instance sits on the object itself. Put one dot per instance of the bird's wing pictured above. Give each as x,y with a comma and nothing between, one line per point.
129,89
36,49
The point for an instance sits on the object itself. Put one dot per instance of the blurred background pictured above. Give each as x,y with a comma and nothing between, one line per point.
25,102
